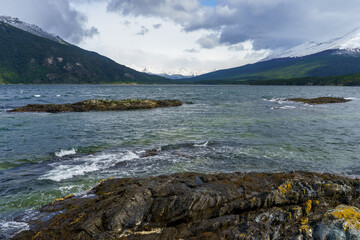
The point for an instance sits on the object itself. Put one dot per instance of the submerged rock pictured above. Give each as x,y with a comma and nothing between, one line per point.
320,100
99,105
298,205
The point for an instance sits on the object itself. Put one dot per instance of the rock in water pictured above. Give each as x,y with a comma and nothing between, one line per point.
320,100
99,105
297,205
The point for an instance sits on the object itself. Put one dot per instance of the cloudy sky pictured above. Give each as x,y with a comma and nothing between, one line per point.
188,36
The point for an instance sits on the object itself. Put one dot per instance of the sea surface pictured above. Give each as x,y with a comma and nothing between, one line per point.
45,156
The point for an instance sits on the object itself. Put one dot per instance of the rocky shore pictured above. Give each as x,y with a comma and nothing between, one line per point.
99,105
296,205
320,100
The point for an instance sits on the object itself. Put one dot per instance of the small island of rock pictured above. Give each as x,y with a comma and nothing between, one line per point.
99,105
319,100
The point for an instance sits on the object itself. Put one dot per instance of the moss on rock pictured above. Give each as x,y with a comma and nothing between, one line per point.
99,105
320,100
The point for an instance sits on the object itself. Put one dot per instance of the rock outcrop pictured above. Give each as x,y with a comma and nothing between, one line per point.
320,100
99,105
297,205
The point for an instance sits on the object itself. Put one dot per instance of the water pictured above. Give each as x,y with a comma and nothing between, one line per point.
227,128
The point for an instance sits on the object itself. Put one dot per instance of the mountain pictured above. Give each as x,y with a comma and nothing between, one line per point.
339,57
174,76
30,55
31,28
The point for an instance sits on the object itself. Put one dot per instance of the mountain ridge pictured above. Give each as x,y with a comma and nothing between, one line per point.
349,42
333,58
26,58
31,28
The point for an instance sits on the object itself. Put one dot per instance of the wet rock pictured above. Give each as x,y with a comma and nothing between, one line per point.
320,100
297,205
99,105
150,153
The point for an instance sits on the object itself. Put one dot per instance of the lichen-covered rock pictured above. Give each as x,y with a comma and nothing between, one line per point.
99,105
320,100
340,223
297,205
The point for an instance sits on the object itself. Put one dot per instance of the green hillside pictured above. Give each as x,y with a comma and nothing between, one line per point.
330,63
28,59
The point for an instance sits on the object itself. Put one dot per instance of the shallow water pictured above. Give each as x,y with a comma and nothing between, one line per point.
227,128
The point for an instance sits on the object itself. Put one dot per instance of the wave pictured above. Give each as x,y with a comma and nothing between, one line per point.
284,107
83,165
8,228
202,145
351,98
63,153
37,95
277,100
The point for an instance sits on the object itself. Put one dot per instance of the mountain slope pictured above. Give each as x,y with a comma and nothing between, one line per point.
30,28
28,58
337,57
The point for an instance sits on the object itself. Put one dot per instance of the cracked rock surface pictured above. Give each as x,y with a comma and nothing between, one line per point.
296,205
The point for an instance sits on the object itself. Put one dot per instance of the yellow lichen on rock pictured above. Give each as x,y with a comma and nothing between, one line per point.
78,218
305,228
285,187
349,215
62,199
308,206
104,180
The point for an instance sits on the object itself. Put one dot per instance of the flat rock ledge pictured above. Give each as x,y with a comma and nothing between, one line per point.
320,100
99,105
296,205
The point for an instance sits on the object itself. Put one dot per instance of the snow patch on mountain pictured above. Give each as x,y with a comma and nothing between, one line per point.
31,28
349,43
175,75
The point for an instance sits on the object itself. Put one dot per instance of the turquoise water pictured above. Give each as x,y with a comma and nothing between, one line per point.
226,128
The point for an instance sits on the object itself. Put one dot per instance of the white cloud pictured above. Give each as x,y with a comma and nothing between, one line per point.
54,16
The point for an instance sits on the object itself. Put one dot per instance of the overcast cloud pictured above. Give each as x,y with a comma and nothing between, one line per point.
54,16
268,23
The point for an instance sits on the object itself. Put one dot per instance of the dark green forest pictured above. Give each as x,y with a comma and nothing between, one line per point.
28,59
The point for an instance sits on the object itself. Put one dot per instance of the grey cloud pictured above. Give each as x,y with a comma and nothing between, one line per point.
268,24
192,50
178,11
157,26
209,41
53,16
126,23
143,31
236,47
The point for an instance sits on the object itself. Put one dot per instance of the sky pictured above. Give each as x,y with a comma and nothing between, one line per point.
188,36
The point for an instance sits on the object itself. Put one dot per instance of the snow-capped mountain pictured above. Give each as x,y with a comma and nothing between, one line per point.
31,28
176,75
349,43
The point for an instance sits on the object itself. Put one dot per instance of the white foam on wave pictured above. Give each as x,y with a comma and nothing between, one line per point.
351,98
202,145
63,152
83,165
37,95
58,95
277,100
284,107
13,227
